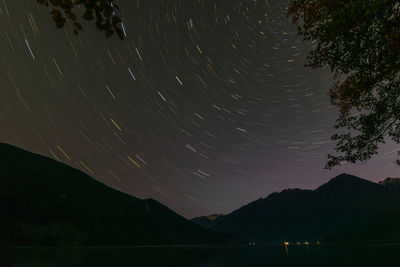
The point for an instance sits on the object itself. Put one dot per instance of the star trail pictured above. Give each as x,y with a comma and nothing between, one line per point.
205,106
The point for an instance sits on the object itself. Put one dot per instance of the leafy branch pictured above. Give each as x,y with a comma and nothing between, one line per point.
102,12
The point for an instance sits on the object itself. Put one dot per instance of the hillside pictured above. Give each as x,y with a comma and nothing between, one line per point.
340,206
44,202
208,221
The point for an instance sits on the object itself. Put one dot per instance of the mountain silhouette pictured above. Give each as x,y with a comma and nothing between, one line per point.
45,202
384,226
391,183
343,205
208,221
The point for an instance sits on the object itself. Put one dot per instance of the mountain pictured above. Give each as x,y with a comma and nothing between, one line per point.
340,206
44,202
384,226
391,183
208,221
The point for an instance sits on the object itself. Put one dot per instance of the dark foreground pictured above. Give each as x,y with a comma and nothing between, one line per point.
204,256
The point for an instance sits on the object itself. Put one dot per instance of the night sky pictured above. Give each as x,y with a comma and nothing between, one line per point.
204,107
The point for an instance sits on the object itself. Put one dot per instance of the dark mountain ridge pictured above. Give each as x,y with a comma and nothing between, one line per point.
208,221
45,202
337,207
391,183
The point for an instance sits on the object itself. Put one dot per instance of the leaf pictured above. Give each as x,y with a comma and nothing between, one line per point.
88,15
120,34
116,20
100,11
78,26
73,16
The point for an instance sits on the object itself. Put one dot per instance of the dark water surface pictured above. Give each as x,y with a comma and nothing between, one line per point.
207,256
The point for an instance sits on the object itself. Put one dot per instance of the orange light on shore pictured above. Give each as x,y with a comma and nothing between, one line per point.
286,248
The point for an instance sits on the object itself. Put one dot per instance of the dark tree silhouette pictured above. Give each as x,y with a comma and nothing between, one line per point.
100,11
360,41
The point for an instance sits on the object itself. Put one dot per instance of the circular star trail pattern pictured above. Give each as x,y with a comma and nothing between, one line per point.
204,107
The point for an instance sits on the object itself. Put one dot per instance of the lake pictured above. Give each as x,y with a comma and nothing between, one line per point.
207,256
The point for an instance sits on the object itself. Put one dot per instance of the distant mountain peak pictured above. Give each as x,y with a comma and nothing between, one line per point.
346,176
208,221
341,205
391,183
346,181
390,180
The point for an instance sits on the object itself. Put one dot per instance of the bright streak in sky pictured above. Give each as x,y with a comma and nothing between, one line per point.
30,50
123,28
133,76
